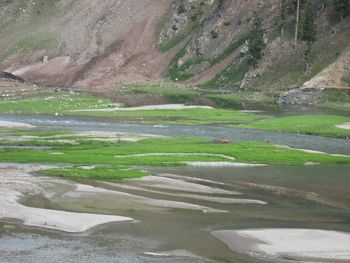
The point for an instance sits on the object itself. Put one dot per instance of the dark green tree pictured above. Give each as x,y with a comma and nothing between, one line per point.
308,32
181,8
342,7
309,26
283,17
256,42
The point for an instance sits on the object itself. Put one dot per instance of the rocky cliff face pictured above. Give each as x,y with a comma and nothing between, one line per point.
95,44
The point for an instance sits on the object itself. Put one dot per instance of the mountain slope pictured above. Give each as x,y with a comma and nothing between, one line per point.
94,45
86,42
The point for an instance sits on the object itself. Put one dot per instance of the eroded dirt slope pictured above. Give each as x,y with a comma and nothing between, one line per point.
82,43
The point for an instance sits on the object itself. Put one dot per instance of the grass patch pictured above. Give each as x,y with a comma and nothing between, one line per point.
247,100
52,103
176,151
97,173
346,79
19,132
230,77
196,116
338,99
305,124
176,73
30,44
172,93
66,103
5,2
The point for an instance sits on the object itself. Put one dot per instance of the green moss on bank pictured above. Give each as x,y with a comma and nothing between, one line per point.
305,124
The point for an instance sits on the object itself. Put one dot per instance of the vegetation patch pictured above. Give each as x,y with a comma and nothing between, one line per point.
66,103
338,99
52,103
305,124
195,116
170,92
5,2
246,100
290,70
229,77
30,44
159,152
194,17
177,73
346,79
38,133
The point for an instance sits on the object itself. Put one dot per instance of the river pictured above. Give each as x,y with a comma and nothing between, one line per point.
313,197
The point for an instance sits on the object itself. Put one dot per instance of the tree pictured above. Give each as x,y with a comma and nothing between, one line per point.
342,7
181,8
283,16
256,42
309,31
309,26
296,35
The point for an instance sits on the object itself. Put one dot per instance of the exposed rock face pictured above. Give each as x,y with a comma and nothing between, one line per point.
226,24
180,16
300,97
9,76
312,91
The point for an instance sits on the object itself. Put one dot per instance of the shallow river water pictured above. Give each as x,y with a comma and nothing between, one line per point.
314,197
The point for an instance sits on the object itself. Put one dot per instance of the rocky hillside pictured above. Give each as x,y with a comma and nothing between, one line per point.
81,43
194,43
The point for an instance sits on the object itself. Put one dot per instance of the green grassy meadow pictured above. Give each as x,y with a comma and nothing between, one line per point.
324,125
119,160
79,104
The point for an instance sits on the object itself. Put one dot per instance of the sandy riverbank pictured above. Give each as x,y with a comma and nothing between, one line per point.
289,245
345,126
15,182
12,125
149,107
